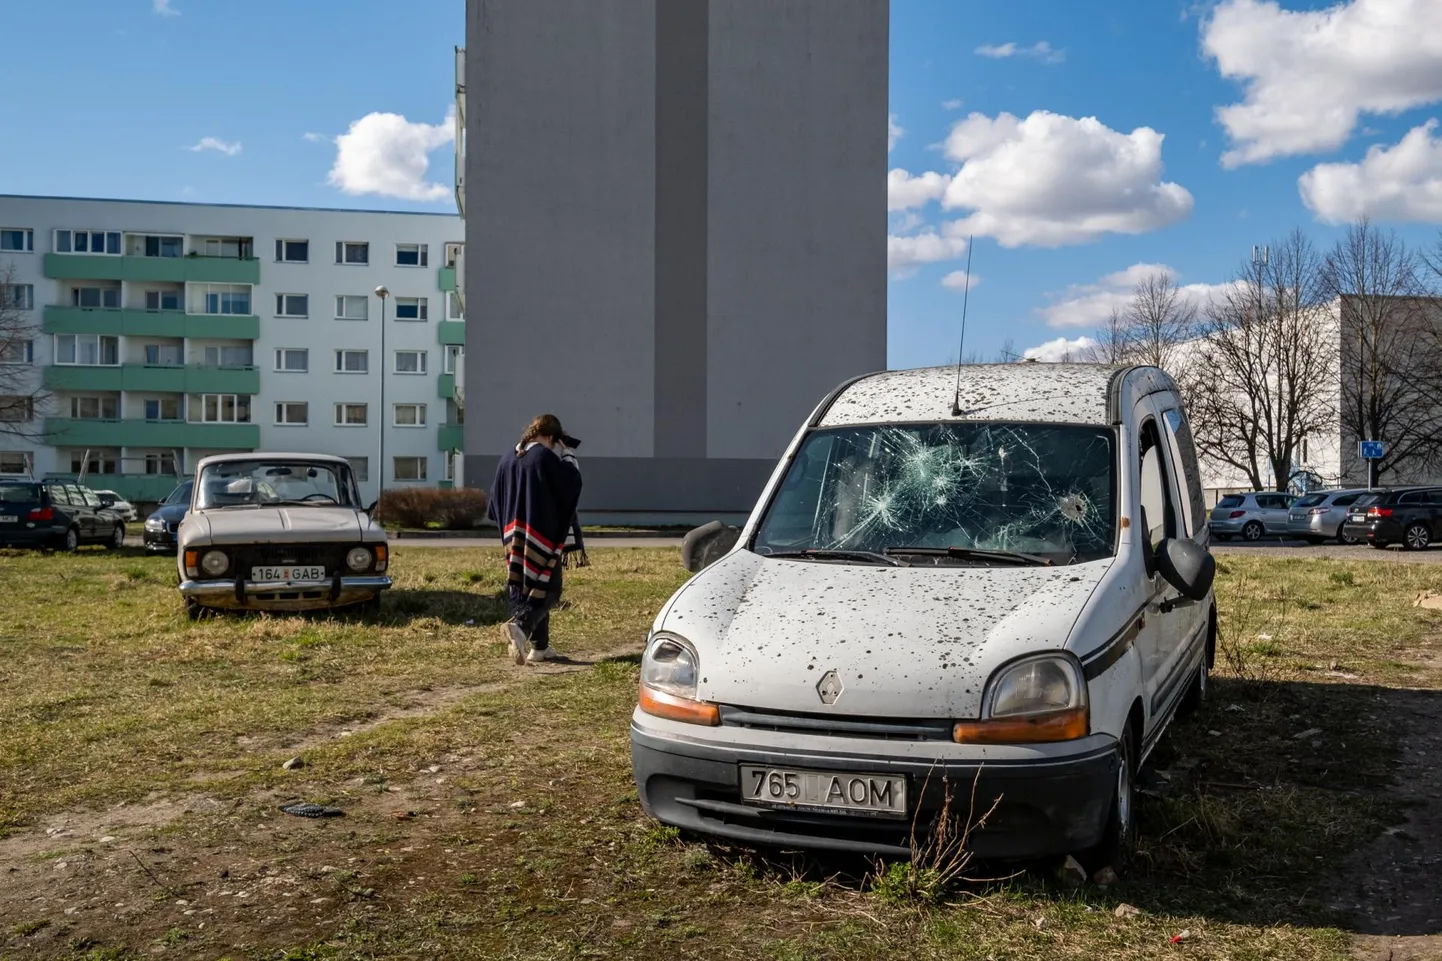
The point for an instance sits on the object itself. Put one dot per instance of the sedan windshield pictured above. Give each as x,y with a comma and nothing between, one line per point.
272,482
948,490
181,495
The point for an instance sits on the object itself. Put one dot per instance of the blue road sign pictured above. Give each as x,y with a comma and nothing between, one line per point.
1372,449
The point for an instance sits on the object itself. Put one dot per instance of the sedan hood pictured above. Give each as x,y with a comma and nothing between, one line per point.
171,513
279,525
917,642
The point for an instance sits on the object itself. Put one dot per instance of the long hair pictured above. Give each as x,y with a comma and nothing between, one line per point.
545,425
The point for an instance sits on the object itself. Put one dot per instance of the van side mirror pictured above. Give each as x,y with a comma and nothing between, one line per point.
1187,566
707,544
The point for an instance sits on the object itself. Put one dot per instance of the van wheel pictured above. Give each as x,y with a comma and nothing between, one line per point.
117,538
1197,690
1119,840
1253,531
1417,538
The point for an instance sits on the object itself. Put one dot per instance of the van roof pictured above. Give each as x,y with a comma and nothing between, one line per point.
1059,393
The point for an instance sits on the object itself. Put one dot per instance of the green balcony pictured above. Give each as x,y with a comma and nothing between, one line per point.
446,278
63,432
446,386
136,488
451,332
179,270
193,378
451,437
149,323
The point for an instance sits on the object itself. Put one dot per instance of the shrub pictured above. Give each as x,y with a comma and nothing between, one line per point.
429,507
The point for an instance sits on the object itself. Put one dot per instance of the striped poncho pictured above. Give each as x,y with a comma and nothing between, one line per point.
533,501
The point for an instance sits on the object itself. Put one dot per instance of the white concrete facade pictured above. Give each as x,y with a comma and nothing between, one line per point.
294,308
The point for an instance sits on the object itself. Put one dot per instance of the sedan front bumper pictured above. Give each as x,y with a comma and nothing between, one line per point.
250,595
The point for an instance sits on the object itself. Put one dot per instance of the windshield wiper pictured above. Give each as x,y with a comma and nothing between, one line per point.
973,553
823,554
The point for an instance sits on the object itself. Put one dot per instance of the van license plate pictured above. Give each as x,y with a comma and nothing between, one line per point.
9,519
875,794
287,573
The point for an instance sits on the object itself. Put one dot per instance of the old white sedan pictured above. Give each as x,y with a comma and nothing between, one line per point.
279,532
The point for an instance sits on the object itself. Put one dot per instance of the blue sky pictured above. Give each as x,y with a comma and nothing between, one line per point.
1082,144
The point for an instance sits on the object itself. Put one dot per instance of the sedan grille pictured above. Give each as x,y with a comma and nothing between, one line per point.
329,556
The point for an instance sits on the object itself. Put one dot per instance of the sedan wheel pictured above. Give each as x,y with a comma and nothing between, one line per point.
1346,538
1418,538
1253,531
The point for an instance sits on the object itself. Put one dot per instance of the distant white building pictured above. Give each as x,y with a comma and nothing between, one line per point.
167,331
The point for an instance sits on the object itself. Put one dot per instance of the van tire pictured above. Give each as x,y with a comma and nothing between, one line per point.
1197,690
1119,839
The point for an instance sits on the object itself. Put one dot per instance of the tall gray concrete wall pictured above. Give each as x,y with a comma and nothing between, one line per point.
675,233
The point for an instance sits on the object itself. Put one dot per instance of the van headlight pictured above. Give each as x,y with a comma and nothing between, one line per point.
1033,700
669,670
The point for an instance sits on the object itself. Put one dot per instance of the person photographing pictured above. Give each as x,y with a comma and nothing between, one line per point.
533,501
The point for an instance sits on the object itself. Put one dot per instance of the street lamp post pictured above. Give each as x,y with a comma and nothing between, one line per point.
382,293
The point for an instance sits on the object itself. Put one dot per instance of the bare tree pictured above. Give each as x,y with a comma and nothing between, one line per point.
20,389
1113,343
1262,375
1159,320
1385,340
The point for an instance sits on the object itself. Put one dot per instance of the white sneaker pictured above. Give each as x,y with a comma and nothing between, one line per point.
539,654
518,641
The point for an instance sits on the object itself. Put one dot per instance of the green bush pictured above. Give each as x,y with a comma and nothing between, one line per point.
458,509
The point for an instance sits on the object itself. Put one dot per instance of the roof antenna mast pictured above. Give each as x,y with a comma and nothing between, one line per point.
965,297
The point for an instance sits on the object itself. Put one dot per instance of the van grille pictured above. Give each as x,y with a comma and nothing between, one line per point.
884,728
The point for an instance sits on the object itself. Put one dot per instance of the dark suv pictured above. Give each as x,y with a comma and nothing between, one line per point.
56,514
1410,516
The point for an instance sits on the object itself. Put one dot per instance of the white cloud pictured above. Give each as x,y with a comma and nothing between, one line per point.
959,280
1055,351
1051,180
1041,50
216,144
1309,74
893,132
954,104
312,137
1400,182
388,155
904,191
1089,305
164,9
904,254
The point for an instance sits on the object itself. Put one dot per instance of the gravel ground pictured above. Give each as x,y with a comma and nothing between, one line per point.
1303,550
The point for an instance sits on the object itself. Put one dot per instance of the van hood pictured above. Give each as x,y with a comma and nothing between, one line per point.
915,642
278,525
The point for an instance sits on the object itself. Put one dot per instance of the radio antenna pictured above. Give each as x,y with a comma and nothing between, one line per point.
960,357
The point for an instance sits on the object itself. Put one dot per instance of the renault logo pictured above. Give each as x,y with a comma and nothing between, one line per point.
829,687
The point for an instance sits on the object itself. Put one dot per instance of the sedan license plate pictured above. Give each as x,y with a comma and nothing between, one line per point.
9,519
882,795
287,573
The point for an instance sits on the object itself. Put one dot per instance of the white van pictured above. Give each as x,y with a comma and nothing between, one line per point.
990,584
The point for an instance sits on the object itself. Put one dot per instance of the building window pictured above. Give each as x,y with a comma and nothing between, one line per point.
162,408
352,361
292,251
88,242
87,350
17,296
410,415
17,353
243,356
160,246
164,355
293,359
455,357
16,408
350,415
453,306
225,298
233,248
294,413
448,464
17,240
410,468
361,468
410,362
160,464
410,255
99,462
292,305
351,307
162,300
453,253
411,308
348,252
94,408
15,462
107,298
224,409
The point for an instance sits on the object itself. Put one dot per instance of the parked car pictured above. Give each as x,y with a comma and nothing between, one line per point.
1320,515
120,505
990,595
1250,516
164,521
279,532
1410,516
56,514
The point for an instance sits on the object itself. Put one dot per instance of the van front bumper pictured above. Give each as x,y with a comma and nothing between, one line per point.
1045,805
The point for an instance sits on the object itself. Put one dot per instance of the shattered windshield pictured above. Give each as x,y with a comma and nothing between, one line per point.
1042,489
261,483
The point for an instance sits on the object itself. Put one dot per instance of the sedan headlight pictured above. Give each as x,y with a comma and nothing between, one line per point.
1033,700
214,563
358,559
669,670
154,524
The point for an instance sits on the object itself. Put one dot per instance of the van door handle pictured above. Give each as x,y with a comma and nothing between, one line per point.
1172,603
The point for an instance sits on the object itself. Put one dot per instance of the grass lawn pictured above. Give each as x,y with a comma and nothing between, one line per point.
490,812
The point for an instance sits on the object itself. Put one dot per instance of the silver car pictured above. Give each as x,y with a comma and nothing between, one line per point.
1250,516
1319,516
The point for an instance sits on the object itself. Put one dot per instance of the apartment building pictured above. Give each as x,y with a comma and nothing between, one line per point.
164,332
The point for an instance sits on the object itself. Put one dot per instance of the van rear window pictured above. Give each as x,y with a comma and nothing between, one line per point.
1231,500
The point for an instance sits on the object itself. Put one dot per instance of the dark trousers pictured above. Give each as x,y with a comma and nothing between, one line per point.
534,616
